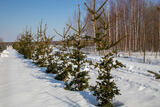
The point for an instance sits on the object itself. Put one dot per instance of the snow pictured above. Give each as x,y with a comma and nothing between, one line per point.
23,84
138,87
4,53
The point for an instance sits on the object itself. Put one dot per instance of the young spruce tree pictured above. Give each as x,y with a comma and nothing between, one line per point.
105,89
79,80
53,66
24,44
43,47
64,66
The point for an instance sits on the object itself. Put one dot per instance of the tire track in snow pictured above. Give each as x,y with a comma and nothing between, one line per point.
136,79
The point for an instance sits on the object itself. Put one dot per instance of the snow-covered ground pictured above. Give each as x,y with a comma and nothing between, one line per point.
138,87
23,84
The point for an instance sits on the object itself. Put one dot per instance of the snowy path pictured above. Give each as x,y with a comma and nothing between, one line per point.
22,84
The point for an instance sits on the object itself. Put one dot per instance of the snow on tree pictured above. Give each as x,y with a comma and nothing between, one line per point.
64,66
80,77
43,47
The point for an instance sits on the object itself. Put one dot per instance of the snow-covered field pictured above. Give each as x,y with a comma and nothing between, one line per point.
23,84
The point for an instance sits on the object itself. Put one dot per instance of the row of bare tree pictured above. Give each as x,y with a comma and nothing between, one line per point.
139,20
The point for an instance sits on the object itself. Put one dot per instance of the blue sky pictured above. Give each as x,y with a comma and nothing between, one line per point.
15,15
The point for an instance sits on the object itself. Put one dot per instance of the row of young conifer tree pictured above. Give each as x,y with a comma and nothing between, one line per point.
69,63
2,45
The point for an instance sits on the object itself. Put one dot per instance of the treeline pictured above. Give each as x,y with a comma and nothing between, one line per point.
139,20
69,63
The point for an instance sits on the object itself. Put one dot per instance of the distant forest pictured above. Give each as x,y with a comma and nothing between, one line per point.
139,20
